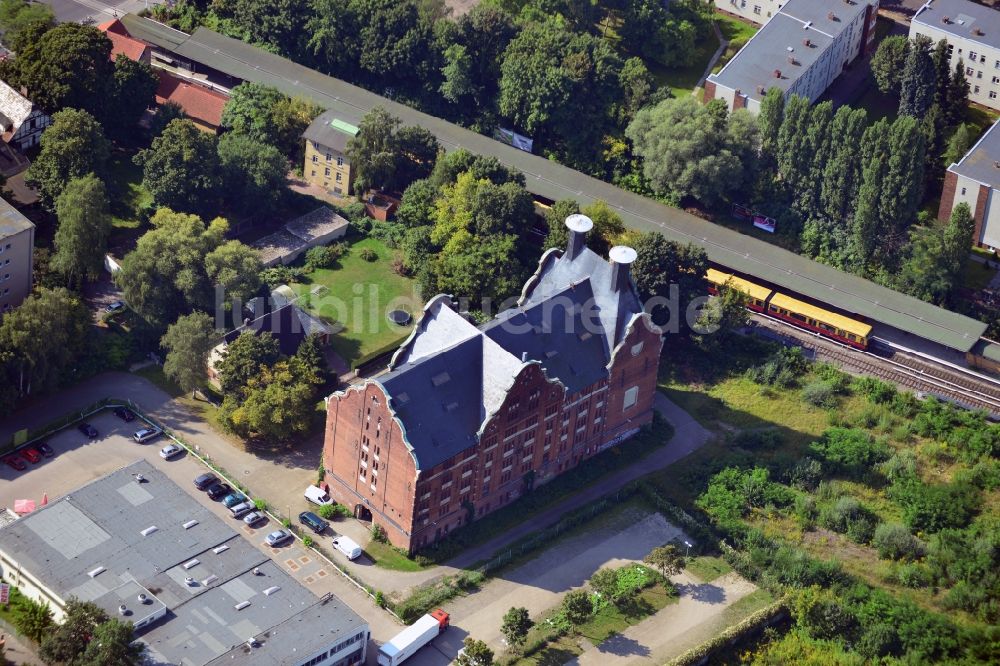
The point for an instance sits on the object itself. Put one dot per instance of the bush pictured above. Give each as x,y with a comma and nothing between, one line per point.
378,534
368,254
307,541
757,440
324,256
379,599
279,275
913,575
849,517
894,542
902,465
806,474
851,451
260,504
875,390
782,368
930,508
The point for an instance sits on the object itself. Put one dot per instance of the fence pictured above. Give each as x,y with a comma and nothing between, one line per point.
27,436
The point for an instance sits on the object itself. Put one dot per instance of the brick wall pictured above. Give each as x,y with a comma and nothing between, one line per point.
948,195
709,92
981,201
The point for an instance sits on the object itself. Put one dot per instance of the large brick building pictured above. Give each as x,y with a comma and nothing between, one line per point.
467,418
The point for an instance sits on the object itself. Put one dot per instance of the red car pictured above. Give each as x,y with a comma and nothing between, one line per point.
15,462
31,455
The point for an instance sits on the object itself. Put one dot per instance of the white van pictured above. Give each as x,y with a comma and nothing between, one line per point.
317,495
348,547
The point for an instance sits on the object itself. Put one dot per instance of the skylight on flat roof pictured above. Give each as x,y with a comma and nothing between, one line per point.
440,378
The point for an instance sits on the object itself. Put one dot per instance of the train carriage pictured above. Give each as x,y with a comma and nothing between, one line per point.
833,325
756,294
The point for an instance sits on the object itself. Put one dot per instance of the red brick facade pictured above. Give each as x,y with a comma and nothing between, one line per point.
948,195
709,92
980,214
537,433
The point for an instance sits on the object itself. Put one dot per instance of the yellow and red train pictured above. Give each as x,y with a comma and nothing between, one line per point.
797,312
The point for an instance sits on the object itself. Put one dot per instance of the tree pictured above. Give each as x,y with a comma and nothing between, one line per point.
794,159
917,81
516,624
604,582
478,268
113,644
372,151
417,207
66,642
250,111
82,236
278,405
72,147
688,150
244,358
188,341
608,227
457,73
289,119
22,22
69,66
721,318
484,33
555,219
666,559
942,74
637,85
769,119
280,24
660,32
958,95
474,653
165,276
41,339
577,606
164,115
888,62
133,90
181,168
842,172
32,619
236,268
253,173
959,144
416,151
669,270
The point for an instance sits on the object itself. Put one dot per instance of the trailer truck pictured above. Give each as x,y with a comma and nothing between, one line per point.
406,643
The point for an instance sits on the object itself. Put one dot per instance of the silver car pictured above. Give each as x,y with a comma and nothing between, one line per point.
255,518
278,537
170,450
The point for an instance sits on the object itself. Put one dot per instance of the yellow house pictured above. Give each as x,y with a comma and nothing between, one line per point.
326,162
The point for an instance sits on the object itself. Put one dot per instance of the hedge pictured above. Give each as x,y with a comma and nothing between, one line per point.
753,622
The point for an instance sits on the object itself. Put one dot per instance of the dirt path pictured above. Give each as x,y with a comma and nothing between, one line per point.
675,628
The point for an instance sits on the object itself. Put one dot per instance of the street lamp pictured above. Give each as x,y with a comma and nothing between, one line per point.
688,551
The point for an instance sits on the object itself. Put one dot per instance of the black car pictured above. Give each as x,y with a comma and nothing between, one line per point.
87,429
313,522
125,415
205,481
44,449
218,490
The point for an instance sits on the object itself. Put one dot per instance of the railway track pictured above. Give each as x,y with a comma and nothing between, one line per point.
904,370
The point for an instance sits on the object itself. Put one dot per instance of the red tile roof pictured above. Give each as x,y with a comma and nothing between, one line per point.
199,103
121,42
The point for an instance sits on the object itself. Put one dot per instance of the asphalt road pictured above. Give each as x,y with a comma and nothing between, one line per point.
97,11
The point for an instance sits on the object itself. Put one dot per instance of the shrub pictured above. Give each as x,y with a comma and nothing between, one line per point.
848,516
379,599
851,451
307,541
930,508
368,254
758,440
279,275
577,606
326,511
806,511
286,522
875,390
902,465
260,504
894,542
913,575
378,534
806,474
324,256
781,369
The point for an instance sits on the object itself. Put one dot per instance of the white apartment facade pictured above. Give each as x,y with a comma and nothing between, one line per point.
17,241
801,50
755,11
975,180
973,35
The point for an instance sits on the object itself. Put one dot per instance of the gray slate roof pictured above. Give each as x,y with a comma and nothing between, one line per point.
449,376
981,162
726,247
101,524
964,16
11,220
14,106
325,131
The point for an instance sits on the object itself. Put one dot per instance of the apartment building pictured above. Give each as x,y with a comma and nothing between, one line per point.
755,11
975,180
800,50
973,35
326,162
17,241
469,418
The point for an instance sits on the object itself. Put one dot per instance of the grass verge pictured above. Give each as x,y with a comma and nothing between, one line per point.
387,557
707,568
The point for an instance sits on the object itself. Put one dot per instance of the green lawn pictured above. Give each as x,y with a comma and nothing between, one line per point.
387,557
707,568
128,199
360,294
976,275
682,80
613,619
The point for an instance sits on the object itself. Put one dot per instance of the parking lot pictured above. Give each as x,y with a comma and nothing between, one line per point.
79,460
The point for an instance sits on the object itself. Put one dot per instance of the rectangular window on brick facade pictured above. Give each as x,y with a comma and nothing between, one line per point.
551,410
631,397
505,477
509,432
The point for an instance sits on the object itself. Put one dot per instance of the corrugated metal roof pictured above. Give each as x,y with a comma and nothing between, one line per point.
725,247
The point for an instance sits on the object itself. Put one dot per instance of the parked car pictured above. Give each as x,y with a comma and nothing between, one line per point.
278,537
87,429
15,462
233,498
205,480
171,450
241,509
31,455
218,490
125,415
255,518
313,522
46,450
115,306
145,434
348,546
318,496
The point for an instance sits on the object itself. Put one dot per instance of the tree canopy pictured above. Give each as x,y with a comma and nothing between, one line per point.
181,168
188,342
82,236
72,147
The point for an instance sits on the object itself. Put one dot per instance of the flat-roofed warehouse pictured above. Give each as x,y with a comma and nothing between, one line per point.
725,247
148,553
